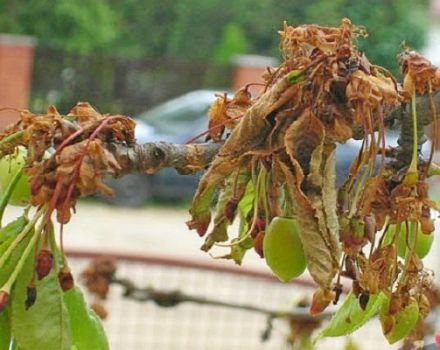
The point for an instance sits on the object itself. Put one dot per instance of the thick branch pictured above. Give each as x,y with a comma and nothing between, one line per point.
152,157
186,159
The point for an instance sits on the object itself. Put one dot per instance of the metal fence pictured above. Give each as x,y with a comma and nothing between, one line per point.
116,84
135,325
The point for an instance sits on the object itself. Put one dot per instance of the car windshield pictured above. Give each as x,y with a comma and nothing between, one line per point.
179,113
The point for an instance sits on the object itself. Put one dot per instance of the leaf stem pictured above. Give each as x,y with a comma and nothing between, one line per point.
20,236
254,217
8,193
263,191
359,189
11,137
412,175
11,280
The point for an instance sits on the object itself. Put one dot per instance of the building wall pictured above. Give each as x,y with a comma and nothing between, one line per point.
16,61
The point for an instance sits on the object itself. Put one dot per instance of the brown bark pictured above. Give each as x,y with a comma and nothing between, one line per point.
186,159
151,157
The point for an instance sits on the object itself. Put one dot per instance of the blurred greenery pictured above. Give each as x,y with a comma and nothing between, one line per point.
79,26
232,42
207,30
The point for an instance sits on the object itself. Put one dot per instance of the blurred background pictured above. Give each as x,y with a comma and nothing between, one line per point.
162,61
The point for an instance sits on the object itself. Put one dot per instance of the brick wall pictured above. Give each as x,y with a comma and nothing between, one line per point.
249,69
16,61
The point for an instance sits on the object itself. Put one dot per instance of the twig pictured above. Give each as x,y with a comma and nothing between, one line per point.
174,298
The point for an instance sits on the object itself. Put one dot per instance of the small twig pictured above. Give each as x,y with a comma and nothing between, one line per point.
174,298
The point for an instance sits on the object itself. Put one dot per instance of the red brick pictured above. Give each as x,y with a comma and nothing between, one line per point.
16,63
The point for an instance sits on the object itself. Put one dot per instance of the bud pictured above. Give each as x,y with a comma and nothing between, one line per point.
258,243
364,297
36,186
230,209
321,299
387,324
370,227
260,225
338,291
356,288
44,263
31,296
65,279
426,225
358,230
200,225
395,304
242,97
4,300
350,268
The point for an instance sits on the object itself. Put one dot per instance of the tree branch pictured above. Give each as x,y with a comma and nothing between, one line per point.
190,158
174,298
151,157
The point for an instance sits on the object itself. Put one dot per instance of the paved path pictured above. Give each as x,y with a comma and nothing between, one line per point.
149,230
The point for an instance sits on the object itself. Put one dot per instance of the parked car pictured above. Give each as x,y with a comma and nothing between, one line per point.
177,121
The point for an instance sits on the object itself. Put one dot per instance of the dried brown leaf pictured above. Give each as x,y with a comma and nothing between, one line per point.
321,253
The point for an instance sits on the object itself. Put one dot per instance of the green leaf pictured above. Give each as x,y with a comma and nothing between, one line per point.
5,330
13,228
247,201
404,321
45,326
350,316
86,327
11,262
219,232
406,239
239,250
200,210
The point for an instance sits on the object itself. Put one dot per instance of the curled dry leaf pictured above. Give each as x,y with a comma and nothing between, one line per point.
419,73
67,156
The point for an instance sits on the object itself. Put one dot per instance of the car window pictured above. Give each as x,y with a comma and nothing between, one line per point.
179,112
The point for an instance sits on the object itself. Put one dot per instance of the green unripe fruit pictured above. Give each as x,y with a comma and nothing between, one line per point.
423,242
10,165
283,249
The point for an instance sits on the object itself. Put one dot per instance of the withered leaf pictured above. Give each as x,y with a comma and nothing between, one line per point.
250,133
313,198
371,90
302,137
234,187
329,195
218,117
237,251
